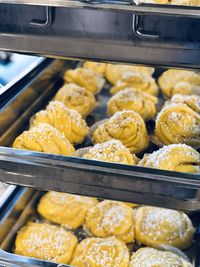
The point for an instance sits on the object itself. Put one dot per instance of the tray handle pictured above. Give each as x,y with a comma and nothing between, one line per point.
140,33
47,22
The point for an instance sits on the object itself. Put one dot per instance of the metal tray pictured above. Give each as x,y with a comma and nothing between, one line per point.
26,202
109,31
81,176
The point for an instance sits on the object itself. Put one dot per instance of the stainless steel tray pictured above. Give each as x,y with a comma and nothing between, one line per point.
27,201
117,31
81,176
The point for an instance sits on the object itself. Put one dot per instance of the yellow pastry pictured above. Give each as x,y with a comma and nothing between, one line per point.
179,158
86,78
150,257
126,126
178,123
182,82
76,97
158,226
186,2
67,121
192,101
44,138
111,151
97,67
132,99
111,218
101,252
137,80
66,209
114,72
46,242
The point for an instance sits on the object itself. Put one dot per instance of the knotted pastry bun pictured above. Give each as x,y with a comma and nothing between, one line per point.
137,80
101,252
111,151
86,78
151,257
132,99
44,138
65,209
158,226
192,101
115,72
182,82
46,242
126,126
67,121
76,97
111,218
178,123
179,158
97,67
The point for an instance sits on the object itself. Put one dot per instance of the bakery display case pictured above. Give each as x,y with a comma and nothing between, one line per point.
66,34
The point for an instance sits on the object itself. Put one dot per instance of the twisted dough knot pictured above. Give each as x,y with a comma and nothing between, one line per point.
137,80
101,252
67,121
111,218
114,72
97,67
86,78
177,123
65,209
44,138
150,257
132,99
179,158
76,97
182,82
192,101
158,226
46,242
111,151
126,126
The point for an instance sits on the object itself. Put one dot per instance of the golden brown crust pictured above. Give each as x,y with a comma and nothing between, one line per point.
44,138
101,252
46,242
65,209
126,126
67,121
157,226
76,97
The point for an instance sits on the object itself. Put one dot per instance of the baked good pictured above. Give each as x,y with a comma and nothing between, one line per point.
151,257
46,242
101,252
192,101
132,99
138,80
126,126
182,82
68,122
76,97
176,157
86,78
111,218
114,72
111,151
178,123
44,138
66,209
97,67
158,226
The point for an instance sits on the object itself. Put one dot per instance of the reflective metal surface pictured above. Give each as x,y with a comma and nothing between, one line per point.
87,177
27,202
